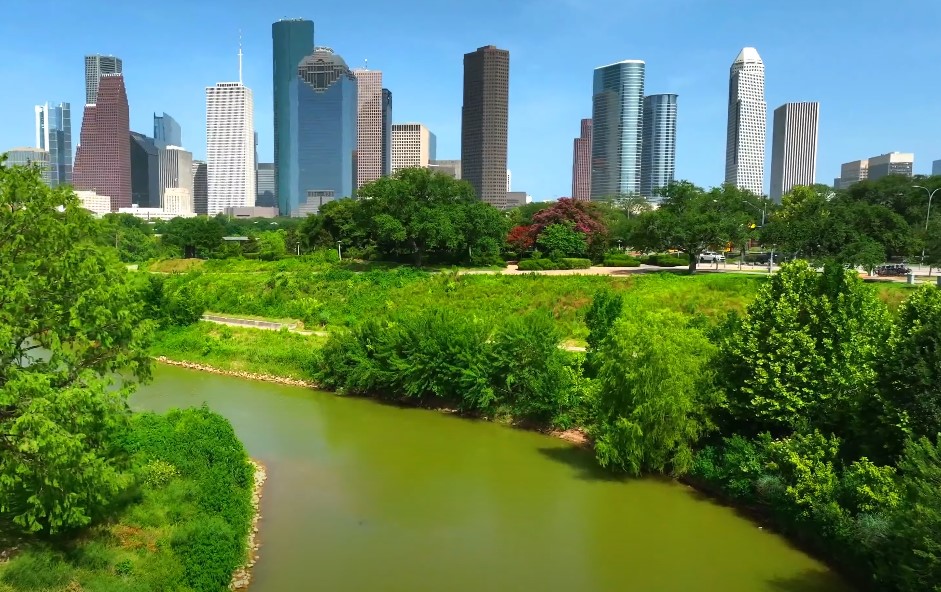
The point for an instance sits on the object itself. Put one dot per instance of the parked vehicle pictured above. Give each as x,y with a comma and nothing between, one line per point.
893,270
711,257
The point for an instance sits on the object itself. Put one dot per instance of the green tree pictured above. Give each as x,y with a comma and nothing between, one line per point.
562,240
194,237
271,245
655,393
606,308
131,236
69,322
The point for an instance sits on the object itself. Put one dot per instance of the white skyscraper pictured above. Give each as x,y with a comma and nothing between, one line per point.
793,147
748,112
175,170
368,125
230,146
413,146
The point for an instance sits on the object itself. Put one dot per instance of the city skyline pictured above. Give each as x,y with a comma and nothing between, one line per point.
539,154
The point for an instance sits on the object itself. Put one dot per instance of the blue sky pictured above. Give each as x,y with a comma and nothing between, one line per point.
872,65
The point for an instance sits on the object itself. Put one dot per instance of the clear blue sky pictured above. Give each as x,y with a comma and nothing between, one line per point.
872,65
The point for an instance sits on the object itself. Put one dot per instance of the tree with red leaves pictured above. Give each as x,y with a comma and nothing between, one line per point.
584,216
521,238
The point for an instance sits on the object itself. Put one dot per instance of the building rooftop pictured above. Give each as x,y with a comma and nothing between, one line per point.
621,62
748,54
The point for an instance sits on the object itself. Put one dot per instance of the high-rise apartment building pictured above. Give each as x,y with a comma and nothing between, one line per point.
794,147
325,99
97,66
167,131
230,150
368,125
658,161
200,187
265,196
292,41
412,146
893,163
145,171
617,109
484,118
745,141
176,170
54,135
103,158
386,132
581,163
30,157
853,172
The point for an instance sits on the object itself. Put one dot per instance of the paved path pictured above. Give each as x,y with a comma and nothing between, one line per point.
260,324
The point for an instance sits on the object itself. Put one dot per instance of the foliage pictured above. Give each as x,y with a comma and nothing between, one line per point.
606,308
68,323
540,264
580,216
663,260
562,240
520,238
194,237
170,304
620,260
271,245
131,236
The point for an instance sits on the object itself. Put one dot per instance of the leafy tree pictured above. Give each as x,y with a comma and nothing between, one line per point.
562,240
520,238
655,390
69,322
606,308
131,236
271,245
199,236
583,217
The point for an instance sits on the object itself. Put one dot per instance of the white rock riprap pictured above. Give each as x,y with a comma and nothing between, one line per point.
242,576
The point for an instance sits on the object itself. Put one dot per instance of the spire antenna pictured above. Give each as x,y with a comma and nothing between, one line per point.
240,56
366,62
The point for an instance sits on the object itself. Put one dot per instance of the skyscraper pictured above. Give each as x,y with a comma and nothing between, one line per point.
103,158
292,40
200,187
368,125
581,163
265,198
97,66
167,131
324,95
412,146
793,147
145,171
658,161
230,150
176,170
935,168
745,141
54,134
484,122
28,157
386,132
617,109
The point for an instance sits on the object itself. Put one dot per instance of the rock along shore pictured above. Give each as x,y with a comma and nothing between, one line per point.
237,373
242,575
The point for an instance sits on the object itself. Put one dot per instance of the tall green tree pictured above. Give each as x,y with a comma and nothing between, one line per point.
196,237
69,323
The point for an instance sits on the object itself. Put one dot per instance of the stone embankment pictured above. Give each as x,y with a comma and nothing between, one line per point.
237,373
243,574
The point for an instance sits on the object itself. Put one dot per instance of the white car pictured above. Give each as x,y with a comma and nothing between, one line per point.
711,257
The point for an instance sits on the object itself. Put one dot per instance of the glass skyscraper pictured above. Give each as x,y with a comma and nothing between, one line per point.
324,105
293,40
167,131
617,128
54,135
658,161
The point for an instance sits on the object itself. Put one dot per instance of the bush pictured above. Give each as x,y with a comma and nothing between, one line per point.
37,570
574,263
664,260
620,260
210,549
560,263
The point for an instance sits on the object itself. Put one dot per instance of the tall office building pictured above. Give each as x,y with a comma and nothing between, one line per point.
853,172
484,122
794,147
617,112
265,197
368,125
145,171
29,157
412,146
745,138
893,163
451,168
292,40
658,161
167,131
386,132
324,95
97,66
54,134
103,158
176,170
230,150
936,168
200,187
581,163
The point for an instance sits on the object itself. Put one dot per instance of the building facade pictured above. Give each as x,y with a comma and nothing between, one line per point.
793,147
265,197
94,203
178,200
54,134
658,161
97,66
230,150
451,168
413,145
145,171
581,163
292,41
617,109
200,187
893,163
167,131
103,158
746,132
176,171
30,157
515,199
484,117
386,132
853,172
936,168
368,125
324,96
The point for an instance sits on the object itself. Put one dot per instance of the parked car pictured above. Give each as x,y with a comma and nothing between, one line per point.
895,269
711,257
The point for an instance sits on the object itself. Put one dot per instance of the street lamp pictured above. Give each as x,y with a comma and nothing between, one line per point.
761,209
339,254
927,218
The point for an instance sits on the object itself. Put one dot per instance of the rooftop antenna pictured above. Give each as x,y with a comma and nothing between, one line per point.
366,62
240,56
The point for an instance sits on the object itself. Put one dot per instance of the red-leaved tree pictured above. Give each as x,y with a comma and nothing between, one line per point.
584,215
521,238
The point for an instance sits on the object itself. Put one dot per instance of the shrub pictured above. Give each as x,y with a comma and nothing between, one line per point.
620,260
574,263
664,260
210,549
535,264
37,570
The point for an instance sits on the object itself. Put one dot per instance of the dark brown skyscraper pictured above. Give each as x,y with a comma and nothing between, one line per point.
484,122
103,159
201,187
581,164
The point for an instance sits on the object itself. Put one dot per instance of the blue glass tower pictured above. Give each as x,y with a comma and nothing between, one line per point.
167,131
292,40
54,134
658,163
324,105
617,128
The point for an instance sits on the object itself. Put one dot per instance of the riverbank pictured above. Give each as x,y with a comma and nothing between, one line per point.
242,576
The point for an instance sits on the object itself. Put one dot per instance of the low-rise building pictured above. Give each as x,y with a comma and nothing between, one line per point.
94,203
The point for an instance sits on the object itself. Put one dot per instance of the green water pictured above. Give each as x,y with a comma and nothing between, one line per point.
363,496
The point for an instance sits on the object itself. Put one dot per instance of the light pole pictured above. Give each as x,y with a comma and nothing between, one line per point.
927,218
339,254
762,209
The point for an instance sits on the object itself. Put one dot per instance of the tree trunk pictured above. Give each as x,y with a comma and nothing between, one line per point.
418,253
693,261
